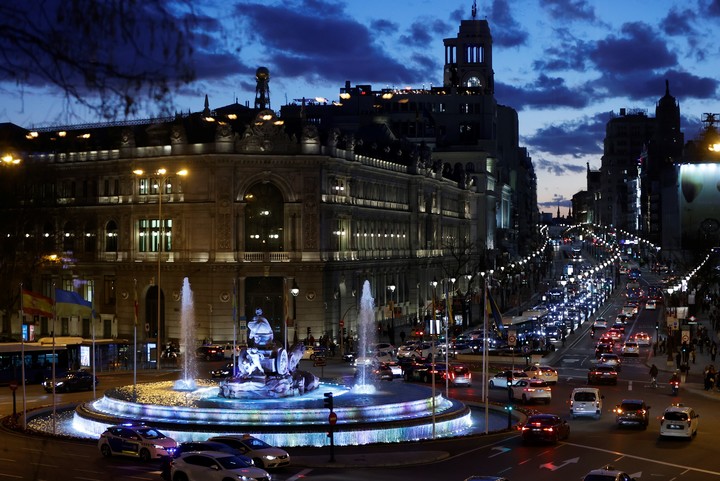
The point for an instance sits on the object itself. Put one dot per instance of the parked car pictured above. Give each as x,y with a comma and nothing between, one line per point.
138,441
679,420
607,473
602,374
71,381
214,466
633,412
262,454
545,428
501,379
586,401
210,353
545,373
528,390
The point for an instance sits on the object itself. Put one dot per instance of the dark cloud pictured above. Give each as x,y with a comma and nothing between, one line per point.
546,92
638,48
679,22
383,26
650,86
710,7
567,52
506,31
578,137
308,43
570,10
423,32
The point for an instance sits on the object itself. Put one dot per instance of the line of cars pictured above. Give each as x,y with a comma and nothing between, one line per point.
219,458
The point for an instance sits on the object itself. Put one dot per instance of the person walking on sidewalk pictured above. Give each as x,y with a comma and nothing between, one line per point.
713,351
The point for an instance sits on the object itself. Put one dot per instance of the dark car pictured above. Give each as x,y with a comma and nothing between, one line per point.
456,373
632,411
380,371
602,375
198,446
222,372
72,381
602,348
210,353
545,428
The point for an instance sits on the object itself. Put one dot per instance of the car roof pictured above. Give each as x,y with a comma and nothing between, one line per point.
680,408
212,454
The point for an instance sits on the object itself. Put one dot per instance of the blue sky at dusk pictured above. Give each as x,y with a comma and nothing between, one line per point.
564,65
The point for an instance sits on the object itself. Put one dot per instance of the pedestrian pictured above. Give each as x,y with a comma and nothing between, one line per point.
713,351
402,337
692,355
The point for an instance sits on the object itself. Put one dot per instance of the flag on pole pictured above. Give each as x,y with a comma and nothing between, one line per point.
69,303
493,310
36,304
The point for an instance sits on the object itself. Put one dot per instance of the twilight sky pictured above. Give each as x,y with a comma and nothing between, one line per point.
564,65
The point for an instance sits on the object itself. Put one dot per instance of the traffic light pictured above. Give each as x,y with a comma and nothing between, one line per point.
308,331
508,407
328,401
657,325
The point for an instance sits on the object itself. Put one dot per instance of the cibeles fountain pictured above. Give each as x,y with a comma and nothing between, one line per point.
271,398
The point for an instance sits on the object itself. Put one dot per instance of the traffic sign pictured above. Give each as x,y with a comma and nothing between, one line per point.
525,349
342,323
512,338
332,418
13,385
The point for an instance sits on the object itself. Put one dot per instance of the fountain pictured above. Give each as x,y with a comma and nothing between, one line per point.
187,340
271,399
366,338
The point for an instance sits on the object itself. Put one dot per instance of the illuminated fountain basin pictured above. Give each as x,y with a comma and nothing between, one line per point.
395,412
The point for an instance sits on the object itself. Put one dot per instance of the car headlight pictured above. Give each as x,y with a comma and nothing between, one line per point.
158,446
270,457
59,383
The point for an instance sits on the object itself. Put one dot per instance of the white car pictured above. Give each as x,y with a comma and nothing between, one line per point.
138,441
651,305
586,401
607,473
262,454
600,323
214,466
545,373
631,348
501,379
679,421
527,390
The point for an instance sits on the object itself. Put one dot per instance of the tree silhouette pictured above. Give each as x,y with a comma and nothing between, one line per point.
111,56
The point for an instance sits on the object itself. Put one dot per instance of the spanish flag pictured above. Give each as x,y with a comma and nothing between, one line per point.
36,304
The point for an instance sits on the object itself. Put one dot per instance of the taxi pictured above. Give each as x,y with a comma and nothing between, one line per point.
679,420
137,441
544,373
642,338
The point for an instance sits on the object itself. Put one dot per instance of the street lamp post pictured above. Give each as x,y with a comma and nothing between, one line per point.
433,329
295,290
161,176
392,311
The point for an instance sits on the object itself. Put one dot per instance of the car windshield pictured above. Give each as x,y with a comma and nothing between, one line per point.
256,443
676,416
150,433
232,462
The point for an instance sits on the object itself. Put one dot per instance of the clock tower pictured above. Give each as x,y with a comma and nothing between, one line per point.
468,58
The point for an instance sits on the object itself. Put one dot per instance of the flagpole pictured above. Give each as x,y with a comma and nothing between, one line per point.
135,318
54,359
92,320
485,359
22,350
234,319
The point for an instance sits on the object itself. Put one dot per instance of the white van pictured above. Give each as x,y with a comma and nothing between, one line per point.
586,401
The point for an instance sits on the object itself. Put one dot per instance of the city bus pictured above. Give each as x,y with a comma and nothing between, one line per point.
39,360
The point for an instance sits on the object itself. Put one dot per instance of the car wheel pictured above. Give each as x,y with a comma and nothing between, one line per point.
524,399
144,455
180,476
556,438
105,450
259,463
492,384
547,401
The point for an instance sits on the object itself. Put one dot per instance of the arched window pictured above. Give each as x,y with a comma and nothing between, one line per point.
111,235
264,219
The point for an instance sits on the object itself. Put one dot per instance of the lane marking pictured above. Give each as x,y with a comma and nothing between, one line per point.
299,475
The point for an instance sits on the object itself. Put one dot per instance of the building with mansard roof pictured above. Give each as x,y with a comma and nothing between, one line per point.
397,187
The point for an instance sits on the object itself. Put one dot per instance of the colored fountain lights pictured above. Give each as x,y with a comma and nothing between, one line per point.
192,410
187,340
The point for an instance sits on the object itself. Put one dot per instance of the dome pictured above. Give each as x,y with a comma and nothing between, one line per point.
262,73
